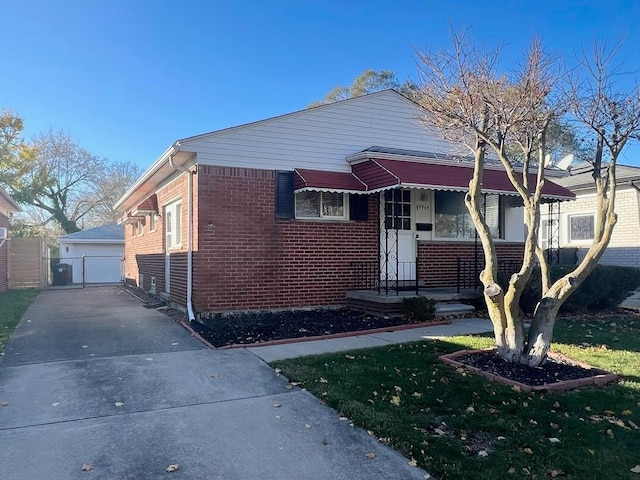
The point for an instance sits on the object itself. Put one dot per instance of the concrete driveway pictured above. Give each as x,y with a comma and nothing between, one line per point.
92,377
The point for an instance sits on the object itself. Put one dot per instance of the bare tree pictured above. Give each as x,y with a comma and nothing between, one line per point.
509,116
107,190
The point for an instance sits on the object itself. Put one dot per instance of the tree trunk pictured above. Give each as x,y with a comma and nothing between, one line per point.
541,332
508,330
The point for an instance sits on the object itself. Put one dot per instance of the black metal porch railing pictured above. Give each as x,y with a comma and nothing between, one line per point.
367,275
469,272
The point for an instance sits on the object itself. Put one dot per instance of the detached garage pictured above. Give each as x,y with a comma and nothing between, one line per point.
95,254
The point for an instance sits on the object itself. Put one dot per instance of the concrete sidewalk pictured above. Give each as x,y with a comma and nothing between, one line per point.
461,326
92,377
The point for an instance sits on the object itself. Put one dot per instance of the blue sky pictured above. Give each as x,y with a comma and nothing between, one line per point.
126,78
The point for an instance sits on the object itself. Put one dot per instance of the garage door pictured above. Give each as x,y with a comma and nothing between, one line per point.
103,269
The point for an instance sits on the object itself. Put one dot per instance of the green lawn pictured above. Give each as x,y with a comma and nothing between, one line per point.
13,304
460,426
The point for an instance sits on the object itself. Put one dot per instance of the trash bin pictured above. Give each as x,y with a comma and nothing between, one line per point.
61,274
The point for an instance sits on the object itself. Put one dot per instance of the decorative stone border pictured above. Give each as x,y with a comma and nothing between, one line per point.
600,378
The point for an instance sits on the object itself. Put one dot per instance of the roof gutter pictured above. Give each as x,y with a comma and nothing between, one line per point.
176,148
151,171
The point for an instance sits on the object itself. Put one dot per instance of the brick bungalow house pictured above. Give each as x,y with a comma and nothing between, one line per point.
7,207
298,210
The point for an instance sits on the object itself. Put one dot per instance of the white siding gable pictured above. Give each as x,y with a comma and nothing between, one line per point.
321,137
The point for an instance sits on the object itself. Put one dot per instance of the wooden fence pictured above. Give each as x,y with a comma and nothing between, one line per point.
27,269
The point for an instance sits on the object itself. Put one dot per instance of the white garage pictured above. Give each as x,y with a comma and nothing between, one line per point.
94,255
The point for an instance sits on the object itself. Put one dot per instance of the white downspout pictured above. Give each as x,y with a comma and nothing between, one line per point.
189,232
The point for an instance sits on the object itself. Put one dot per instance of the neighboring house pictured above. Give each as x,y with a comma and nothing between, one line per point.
7,207
297,210
571,225
95,255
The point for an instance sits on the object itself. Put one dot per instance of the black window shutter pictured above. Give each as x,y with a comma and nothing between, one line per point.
284,195
359,207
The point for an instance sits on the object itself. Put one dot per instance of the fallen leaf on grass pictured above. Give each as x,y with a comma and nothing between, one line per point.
370,456
511,470
554,440
349,357
483,453
119,404
627,412
173,468
395,400
471,410
610,433
636,469
633,425
555,426
87,467
556,473
413,462
323,380
527,450
556,405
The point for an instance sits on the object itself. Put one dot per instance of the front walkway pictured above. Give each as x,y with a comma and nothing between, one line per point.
92,377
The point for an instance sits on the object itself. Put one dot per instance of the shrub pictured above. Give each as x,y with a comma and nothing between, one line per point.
605,288
419,309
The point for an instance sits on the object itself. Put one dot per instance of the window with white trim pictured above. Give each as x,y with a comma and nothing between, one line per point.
173,225
152,222
329,205
581,227
452,219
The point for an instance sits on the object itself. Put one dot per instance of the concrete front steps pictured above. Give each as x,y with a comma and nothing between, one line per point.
452,309
450,302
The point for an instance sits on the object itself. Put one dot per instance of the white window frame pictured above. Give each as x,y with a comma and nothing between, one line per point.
502,208
569,226
153,222
322,216
173,224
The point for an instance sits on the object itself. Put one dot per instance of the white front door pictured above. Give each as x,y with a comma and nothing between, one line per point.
397,237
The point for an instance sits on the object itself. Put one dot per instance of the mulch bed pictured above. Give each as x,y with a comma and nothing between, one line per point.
556,373
553,370
254,328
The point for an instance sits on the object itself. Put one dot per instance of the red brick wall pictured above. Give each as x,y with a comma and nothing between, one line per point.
247,259
439,260
145,253
4,256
